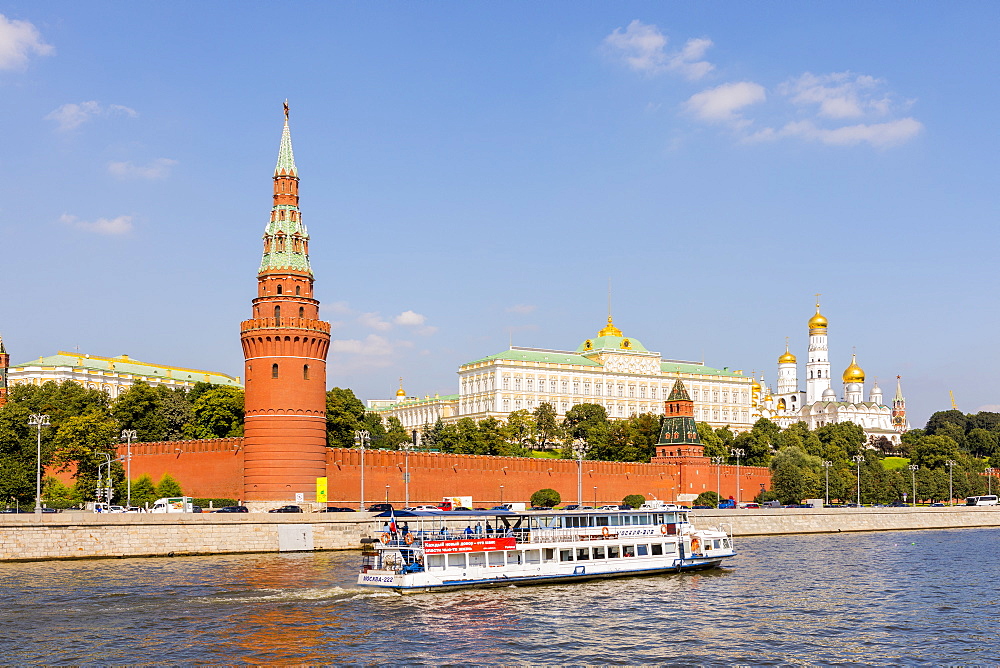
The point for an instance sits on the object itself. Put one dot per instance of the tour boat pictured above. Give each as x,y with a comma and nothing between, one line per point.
417,551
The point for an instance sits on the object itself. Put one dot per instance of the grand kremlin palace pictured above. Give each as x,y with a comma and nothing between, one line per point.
612,370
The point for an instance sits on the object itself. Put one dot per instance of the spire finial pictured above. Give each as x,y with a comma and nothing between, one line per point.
286,109
817,301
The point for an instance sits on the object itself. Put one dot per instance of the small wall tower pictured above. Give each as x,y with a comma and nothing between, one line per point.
679,434
285,346
899,422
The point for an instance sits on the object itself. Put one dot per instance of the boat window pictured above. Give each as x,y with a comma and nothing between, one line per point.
549,554
456,561
613,551
670,548
657,549
435,562
658,518
616,520
516,557
602,521
565,555
642,550
582,553
628,550
645,519
477,559
496,558
531,557
598,553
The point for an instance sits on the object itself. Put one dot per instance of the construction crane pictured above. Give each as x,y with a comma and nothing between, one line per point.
954,406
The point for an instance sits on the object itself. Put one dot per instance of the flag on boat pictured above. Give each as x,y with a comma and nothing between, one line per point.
392,521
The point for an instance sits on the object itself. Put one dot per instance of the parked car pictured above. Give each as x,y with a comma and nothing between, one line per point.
194,509
609,507
572,506
380,507
937,505
232,509
899,504
506,510
701,506
286,509
11,511
422,508
541,507
337,509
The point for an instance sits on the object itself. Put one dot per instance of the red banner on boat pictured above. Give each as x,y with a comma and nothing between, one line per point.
469,545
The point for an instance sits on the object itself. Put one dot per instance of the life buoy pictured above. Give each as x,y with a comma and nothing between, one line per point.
385,538
695,545
409,539
605,532
663,529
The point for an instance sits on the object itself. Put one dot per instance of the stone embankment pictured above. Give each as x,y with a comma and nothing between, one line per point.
785,521
94,536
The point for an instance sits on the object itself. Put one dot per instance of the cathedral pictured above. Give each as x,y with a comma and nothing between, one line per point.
818,404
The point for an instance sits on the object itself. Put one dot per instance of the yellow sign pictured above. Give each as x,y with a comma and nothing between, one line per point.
320,490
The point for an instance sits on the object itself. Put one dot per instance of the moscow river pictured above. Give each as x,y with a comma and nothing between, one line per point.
914,598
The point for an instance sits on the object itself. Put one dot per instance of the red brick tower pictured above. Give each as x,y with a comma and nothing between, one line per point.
285,346
4,364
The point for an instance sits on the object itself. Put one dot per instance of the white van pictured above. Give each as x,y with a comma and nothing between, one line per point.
176,504
985,500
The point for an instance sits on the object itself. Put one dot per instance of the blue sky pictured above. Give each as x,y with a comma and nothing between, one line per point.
476,172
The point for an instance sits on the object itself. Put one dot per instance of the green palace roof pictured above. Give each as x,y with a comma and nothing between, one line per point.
124,365
415,402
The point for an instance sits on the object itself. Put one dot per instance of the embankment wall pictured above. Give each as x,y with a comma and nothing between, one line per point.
92,536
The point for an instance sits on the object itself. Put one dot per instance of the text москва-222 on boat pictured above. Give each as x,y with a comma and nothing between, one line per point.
426,550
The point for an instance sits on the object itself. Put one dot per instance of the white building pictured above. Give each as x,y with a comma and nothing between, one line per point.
818,404
113,375
612,370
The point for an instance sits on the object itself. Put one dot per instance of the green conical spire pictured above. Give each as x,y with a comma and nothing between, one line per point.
286,159
679,392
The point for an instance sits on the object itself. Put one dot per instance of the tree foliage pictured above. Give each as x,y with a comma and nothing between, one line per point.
548,498
344,414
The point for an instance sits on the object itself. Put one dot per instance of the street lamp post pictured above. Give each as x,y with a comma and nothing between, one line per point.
387,493
989,479
595,496
580,449
857,460
406,447
826,466
38,420
128,435
501,495
951,468
718,479
106,489
738,452
361,438
913,481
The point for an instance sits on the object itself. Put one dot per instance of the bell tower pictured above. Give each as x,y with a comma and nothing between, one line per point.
285,346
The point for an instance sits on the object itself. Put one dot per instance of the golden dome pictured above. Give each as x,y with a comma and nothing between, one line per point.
787,358
818,321
610,329
400,393
854,373
756,385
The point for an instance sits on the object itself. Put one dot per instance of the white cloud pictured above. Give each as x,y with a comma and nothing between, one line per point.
523,309
409,318
72,115
880,135
839,94
989,408
157,169
374,321
341,308
644,49
18,41
108,226
724,103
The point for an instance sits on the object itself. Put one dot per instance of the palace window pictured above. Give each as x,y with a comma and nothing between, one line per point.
642,391
517,383
552,386
277,312
586,388
530,384
694,394
598,389
505,382
715,396
576,387
621,390
565,385
274,371
631,391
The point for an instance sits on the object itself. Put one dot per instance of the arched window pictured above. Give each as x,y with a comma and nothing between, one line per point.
305,372
279,289
302,311
274,371
298,290
277,312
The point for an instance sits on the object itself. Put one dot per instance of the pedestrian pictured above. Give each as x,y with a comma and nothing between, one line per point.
479,528
468,530
385,528
489,529
405,529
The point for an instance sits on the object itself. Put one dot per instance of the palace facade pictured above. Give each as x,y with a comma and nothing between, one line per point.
611,369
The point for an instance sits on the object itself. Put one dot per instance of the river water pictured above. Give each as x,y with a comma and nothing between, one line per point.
915,598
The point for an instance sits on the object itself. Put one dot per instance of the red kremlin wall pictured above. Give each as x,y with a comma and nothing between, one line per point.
214,468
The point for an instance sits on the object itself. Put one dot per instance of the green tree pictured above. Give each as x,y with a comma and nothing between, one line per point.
138,408
840,441
344,413
981,442
395,434
932,452
78,441
177,411
144,491
588,422
634,500
713,444
372,423
547,430
548,498
217,413
708,498
520,429
938,420
167,487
